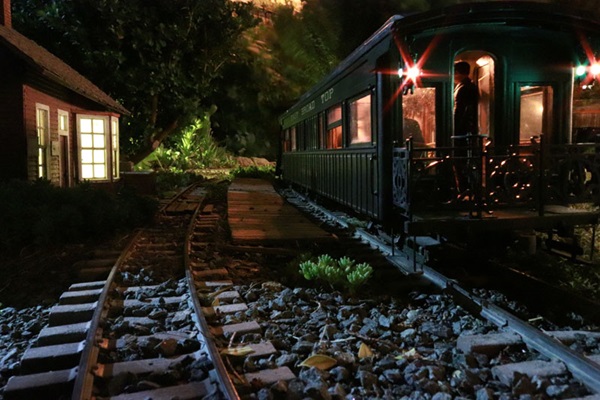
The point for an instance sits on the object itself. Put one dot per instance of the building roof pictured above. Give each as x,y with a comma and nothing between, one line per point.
55,69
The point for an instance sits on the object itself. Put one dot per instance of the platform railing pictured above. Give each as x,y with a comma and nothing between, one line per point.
478,178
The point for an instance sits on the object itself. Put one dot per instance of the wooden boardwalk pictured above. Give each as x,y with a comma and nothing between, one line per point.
258,215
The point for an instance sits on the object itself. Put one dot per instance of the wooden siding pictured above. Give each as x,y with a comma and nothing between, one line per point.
31,97
61,93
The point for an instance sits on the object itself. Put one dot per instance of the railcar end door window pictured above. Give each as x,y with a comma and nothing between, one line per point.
93,147
536,112
418,112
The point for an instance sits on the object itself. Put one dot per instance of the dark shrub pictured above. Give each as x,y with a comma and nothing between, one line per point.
37,213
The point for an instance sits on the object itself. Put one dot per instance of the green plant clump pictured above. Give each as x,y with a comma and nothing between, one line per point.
194,149
344,272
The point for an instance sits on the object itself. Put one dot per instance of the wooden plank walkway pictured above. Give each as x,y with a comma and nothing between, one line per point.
258,215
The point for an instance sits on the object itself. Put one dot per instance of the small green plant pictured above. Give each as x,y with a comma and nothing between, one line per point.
337,273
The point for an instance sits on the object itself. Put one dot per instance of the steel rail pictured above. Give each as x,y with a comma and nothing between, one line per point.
223,378
584,369
173,199
82,389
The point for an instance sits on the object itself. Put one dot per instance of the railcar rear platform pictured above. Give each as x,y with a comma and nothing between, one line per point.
456,222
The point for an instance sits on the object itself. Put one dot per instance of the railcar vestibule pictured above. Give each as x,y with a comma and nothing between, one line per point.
379,133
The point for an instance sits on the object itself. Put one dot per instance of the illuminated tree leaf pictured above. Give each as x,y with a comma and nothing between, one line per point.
364,351
319,361
237,351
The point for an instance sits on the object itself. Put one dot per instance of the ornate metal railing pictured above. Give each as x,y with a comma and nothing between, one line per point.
476,177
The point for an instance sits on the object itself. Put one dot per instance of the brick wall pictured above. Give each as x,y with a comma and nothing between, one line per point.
5,13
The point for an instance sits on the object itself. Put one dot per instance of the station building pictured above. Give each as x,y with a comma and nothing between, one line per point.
54,123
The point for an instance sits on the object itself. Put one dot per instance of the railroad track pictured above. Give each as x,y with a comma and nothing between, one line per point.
512,334
137,333
153,343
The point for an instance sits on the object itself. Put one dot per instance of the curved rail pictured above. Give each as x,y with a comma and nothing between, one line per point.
84,381
85,377
584,369
225,383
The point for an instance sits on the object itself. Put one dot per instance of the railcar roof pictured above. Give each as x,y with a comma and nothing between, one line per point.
522,13
368,44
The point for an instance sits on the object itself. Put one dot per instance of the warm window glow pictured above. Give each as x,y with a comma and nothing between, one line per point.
85,125
334,127
92,139
418,111
63,122
360,120
115,146
43,127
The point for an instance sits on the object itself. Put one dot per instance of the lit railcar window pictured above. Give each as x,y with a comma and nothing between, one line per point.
334,127
418,112
360,120
586,107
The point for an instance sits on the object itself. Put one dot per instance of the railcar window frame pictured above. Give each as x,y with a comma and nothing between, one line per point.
353,125
428,125
322,130
293,141
335,130
312,133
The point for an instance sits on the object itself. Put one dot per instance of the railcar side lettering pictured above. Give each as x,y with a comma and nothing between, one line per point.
307,108
325,97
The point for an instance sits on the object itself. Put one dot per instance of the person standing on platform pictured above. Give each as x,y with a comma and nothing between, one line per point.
466,98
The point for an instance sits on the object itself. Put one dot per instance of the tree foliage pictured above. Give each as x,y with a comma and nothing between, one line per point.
159,58
287,55
168,61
